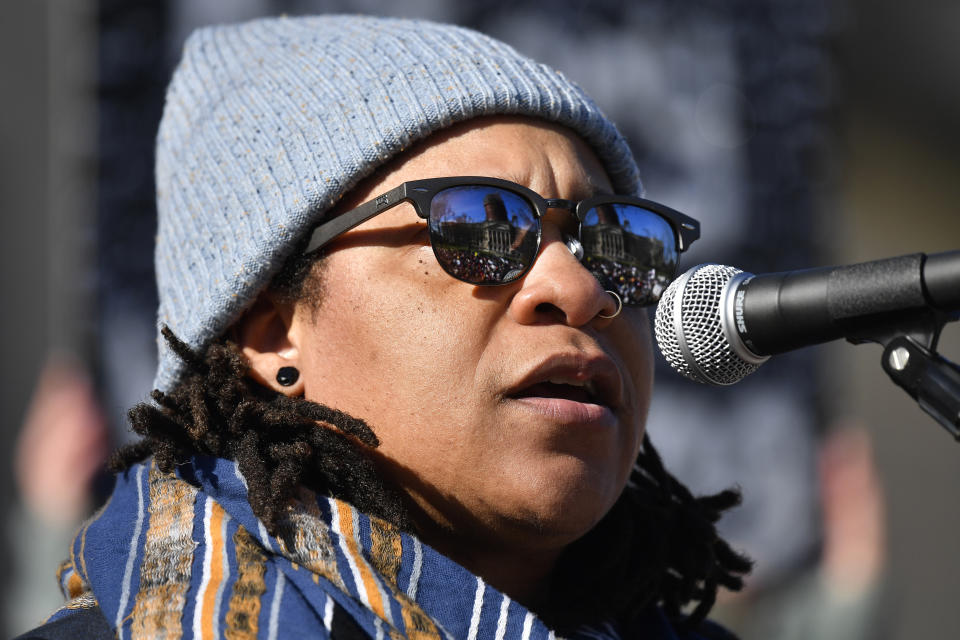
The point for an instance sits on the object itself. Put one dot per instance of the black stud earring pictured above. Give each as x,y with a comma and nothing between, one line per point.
288,376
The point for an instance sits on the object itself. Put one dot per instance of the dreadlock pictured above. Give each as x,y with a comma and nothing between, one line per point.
657,545
277,444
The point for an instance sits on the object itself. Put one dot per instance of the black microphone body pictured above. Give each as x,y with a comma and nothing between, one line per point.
780,312
716,324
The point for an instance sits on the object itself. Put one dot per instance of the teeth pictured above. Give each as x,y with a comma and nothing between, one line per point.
586,384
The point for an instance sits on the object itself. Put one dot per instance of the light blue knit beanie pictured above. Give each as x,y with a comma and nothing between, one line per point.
267,124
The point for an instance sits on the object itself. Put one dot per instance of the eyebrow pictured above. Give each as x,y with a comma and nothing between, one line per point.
593,189
597,190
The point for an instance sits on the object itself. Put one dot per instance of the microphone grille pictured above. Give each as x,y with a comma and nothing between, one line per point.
689,327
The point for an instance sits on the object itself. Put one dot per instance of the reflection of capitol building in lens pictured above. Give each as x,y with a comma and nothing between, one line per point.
632,265
496,230
483,245
610,240
494,234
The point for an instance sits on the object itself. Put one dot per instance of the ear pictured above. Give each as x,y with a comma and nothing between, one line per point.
265,338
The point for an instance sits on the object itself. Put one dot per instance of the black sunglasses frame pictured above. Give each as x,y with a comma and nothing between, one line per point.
420,193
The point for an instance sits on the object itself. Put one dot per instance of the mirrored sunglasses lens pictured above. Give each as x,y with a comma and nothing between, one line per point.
630,250
482,234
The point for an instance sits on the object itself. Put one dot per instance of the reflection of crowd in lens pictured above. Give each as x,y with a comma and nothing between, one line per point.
634,285
478,267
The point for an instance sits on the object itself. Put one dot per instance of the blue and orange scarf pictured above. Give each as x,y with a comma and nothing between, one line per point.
183,556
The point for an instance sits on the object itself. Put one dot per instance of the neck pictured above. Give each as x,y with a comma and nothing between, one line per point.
520,572
515,558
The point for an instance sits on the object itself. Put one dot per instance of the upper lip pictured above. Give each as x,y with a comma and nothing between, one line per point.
597,372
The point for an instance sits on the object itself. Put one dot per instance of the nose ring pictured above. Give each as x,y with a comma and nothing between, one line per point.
619,306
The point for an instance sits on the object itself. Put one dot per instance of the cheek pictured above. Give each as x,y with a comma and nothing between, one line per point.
636,345
396,331
632,337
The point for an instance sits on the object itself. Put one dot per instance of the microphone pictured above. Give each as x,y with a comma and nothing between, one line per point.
717,324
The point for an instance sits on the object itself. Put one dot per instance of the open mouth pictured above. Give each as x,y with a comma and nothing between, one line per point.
573,388
562,390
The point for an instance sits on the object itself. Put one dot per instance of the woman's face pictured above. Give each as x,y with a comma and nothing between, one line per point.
477,393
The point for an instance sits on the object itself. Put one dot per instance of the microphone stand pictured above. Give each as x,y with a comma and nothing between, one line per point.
912,362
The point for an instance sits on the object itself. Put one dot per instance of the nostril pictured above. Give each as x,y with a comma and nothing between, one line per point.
548,308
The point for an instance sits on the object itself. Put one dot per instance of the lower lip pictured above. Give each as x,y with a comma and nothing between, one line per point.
570,412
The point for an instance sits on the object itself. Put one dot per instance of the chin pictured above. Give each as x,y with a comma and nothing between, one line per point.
557,510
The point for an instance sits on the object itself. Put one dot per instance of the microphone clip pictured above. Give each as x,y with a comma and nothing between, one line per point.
910,359
930,379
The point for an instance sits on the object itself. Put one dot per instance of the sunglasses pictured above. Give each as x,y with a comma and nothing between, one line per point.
486,231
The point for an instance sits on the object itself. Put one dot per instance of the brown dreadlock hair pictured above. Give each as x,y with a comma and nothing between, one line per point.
657,545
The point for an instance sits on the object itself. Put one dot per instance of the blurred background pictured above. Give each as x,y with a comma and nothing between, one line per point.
800,132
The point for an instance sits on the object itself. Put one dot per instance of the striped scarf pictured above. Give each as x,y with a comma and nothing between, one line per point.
184,556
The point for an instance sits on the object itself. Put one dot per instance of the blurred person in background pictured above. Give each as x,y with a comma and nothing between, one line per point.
62,447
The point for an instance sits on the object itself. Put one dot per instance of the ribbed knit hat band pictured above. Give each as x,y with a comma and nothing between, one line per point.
267,124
